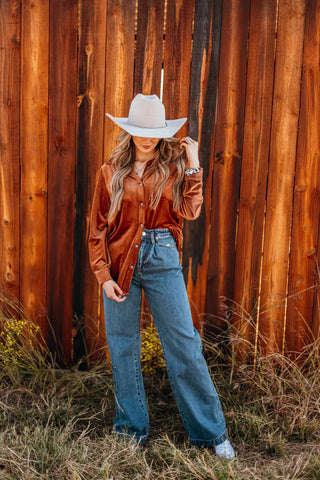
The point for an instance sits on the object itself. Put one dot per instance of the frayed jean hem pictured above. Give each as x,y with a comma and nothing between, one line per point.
209,443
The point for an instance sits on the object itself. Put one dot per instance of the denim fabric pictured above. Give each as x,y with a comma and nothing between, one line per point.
158,273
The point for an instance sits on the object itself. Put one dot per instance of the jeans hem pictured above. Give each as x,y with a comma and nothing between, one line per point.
198,442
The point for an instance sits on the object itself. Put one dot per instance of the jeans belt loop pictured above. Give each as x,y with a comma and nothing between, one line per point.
152,237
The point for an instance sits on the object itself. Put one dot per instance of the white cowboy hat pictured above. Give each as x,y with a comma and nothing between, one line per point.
147,118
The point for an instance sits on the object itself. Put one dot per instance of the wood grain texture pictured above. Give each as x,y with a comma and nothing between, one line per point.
303,274
61,170
177,73
203,95
149,47
9,146
90,135
227,160
254,169
34,140
285,114
119,67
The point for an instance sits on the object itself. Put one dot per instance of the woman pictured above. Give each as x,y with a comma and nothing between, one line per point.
150,181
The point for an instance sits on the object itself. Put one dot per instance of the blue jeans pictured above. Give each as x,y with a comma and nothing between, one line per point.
158,273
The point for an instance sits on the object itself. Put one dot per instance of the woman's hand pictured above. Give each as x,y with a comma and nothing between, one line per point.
113,291
191,147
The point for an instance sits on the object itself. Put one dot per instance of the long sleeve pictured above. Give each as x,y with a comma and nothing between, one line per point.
99,256
191,198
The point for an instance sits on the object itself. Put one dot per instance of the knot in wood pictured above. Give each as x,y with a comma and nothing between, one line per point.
301,188
88,49
311,252
59,142
219,158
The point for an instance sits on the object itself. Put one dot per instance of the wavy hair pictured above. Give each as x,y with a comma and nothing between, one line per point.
167,152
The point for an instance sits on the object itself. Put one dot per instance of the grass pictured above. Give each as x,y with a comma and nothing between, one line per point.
57,424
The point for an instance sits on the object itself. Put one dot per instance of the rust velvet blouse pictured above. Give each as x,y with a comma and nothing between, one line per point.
114,246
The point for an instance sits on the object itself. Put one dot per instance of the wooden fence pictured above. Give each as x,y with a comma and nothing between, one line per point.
246,73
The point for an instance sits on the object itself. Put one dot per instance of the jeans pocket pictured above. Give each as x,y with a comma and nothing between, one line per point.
167,242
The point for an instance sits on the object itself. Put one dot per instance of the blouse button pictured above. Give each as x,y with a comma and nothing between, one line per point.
136,246
131,266
141,203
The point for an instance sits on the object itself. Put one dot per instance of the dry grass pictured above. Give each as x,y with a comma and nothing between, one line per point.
56,424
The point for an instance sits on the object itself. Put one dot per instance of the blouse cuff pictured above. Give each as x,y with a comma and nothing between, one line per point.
103,276
195,176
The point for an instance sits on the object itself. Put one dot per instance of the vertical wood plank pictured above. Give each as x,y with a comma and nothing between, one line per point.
119,66
306,210
227,161
9,145
254,168
285,114
92,46
61,170
34,142
177,60
149,47
203,94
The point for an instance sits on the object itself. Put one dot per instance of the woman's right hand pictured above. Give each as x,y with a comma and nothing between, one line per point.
113,291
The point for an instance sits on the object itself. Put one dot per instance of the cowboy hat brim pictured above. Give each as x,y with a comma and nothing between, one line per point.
168,131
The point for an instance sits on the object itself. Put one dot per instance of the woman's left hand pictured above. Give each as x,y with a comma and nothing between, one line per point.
191,147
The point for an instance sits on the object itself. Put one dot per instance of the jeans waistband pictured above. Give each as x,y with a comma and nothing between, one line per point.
155,234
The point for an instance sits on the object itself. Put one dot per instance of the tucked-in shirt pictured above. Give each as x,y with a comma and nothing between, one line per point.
114,245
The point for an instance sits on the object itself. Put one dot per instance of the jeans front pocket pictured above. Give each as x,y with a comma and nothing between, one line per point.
168,242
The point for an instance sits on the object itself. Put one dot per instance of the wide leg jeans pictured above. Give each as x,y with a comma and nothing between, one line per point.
158,273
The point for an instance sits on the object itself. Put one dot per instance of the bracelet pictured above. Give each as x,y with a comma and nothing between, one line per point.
190,171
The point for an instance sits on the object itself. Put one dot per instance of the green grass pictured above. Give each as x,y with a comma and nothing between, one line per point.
57,424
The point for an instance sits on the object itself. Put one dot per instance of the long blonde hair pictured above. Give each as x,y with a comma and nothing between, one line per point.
167,152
